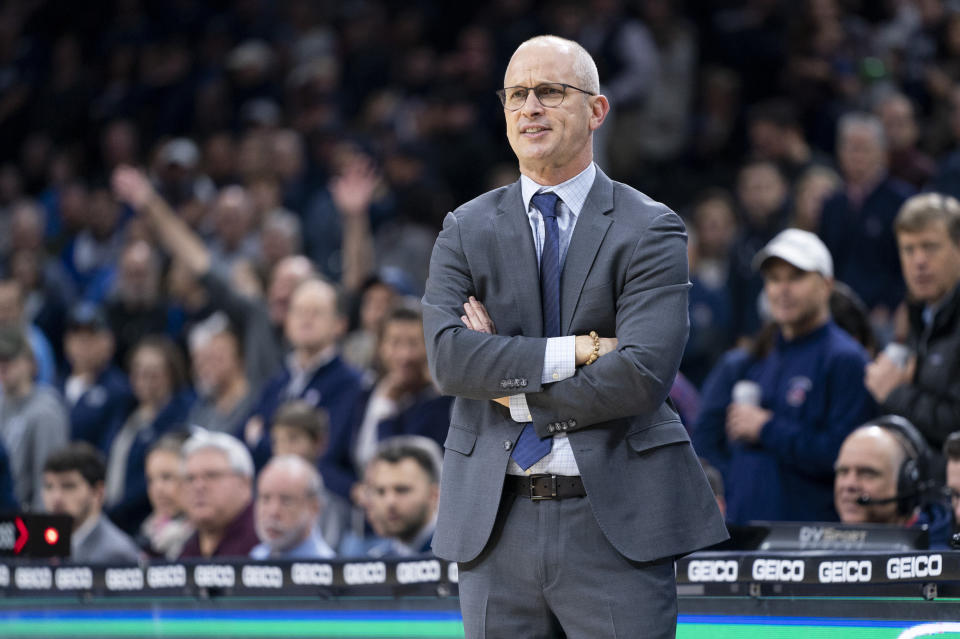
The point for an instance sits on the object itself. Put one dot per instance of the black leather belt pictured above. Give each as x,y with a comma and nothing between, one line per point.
537,487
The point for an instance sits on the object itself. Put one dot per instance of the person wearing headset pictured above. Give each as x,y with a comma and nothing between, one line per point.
951,450
883,476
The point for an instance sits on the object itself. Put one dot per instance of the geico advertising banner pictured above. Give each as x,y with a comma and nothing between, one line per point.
223,576
819,568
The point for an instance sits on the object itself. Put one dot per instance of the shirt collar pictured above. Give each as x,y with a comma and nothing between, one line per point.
573,192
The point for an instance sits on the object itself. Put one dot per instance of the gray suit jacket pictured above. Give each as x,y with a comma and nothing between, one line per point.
106,544
625,275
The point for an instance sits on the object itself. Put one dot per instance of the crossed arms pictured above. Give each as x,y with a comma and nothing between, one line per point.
635,373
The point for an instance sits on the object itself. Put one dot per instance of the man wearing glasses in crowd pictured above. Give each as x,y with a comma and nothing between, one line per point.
218,479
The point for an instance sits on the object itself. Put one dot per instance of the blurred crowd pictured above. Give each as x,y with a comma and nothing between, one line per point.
216,220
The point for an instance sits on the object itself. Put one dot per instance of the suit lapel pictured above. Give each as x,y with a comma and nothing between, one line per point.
592,226
519,255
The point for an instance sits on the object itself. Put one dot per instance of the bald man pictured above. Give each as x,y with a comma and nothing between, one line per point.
565,502
286,509
313,371
883,477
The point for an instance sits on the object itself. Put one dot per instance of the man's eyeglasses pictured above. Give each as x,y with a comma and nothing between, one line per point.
208,477
550,94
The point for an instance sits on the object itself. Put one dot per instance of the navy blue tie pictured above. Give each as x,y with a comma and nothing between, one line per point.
529,448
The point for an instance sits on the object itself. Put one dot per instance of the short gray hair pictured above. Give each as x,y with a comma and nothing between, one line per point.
298,465
236,453
861,119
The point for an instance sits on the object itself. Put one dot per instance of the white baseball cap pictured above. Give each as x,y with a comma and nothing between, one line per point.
800,248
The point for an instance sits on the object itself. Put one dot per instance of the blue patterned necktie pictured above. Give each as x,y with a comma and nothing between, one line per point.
529,448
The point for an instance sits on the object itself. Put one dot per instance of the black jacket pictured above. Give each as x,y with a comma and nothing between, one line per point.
932,401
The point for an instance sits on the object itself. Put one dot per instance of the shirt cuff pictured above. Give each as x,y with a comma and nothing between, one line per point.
559,359
519,410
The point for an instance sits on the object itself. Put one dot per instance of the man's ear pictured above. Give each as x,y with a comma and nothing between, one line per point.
599,109
99,489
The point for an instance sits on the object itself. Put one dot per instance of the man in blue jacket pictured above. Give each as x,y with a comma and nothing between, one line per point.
798,390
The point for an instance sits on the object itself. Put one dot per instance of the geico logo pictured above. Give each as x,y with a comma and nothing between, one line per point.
778,570
914,567
261,577
4,576
453,573
836,572
366,573
418,572
167,576
8,535
124,579
311,574
713,570
214,576
33,578
74,578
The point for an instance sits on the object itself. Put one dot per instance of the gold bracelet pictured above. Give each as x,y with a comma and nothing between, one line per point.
595,355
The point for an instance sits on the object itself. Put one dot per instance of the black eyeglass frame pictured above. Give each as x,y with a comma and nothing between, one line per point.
502,94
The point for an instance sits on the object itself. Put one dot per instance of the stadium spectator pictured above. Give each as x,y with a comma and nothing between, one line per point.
712,232
288,504
856,223
33,419
402,484
164,532
313,372
763,196
73,485
810,191
906,161
234,222
304,430
45,283
951,450
134,305
403,401
883,476
224,394
91,255
925,388
772,418
776,135
376,297
98,393
158,378
218,476
210,286
12,315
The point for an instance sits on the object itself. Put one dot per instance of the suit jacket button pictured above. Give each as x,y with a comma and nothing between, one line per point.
503,383
523,383
573,423
507,444
550,428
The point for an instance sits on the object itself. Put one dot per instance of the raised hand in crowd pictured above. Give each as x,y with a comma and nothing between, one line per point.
353,191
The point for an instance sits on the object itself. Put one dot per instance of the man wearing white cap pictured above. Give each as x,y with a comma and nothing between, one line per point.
774,416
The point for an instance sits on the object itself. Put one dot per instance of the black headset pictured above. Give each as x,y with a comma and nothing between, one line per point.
913,478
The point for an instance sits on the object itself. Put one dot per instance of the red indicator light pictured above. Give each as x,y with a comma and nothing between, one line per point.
51,536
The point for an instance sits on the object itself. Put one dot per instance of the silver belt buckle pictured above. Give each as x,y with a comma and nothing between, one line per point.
553,487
